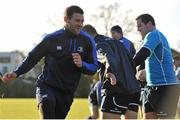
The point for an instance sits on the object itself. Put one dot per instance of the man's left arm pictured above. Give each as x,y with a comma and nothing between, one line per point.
92,66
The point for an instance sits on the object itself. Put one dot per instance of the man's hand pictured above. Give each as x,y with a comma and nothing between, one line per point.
141,75
77,59
112,78
8,77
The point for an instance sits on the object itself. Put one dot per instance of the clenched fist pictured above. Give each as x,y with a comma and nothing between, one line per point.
112,78
77,59
8,77
141,75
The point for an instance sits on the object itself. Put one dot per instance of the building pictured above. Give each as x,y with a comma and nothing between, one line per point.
10,60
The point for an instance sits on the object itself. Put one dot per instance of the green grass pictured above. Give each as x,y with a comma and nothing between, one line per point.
27,109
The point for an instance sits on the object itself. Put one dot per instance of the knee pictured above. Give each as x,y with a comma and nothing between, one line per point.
47,109
94,116
47,103
149,115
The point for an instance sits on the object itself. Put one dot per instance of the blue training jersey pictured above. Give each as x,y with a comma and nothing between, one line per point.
159,65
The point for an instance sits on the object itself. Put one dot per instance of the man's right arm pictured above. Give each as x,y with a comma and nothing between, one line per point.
141,56
30,61
33,57
150,43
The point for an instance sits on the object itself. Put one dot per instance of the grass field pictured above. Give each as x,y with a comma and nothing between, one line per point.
27,109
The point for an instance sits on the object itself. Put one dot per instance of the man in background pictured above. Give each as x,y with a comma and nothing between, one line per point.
160,96
117,34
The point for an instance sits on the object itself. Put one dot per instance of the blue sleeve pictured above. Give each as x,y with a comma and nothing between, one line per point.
33,57
151,41
91,68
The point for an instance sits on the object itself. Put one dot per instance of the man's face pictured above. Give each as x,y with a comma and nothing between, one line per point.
142,28
75,23
116,35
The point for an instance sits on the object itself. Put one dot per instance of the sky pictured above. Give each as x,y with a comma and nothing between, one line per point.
23,22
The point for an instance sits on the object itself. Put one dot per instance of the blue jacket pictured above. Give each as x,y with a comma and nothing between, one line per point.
59,70
128,45
118,61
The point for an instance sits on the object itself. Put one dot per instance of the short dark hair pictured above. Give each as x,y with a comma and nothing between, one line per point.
117,28
69,11
177,58
89,29
145,18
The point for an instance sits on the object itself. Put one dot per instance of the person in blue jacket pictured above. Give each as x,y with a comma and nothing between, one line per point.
116,52
117,34
68,52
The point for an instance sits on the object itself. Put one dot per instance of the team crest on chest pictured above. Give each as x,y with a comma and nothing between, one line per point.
80,49
59,47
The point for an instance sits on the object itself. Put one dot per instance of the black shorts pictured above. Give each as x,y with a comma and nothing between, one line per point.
119,104
95,96
55,104
161,99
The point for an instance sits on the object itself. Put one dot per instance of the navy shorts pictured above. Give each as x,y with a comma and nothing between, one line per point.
119,104
54,103
161,99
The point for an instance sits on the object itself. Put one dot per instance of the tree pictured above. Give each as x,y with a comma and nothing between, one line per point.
114,15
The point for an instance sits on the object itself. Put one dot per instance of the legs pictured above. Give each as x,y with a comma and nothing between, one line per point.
106,115
94,111
53,104
46,102
133,106
130,114
46,109
63,104
150,115
160,101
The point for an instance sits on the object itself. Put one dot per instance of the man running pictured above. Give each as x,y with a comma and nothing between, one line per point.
68,52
